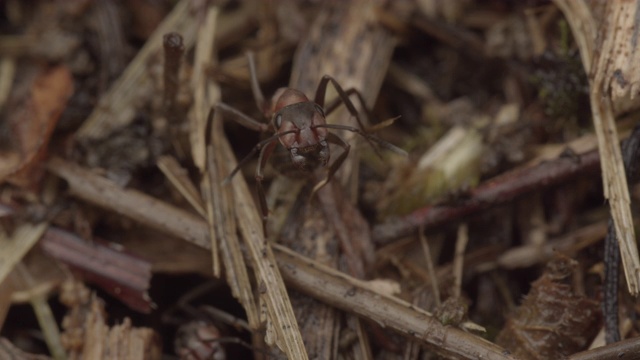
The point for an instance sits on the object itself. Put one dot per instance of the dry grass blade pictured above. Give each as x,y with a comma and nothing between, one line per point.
178,177
264,263
41,308
221,214
105,193
615,182
205,95
14,248
117,107
458,260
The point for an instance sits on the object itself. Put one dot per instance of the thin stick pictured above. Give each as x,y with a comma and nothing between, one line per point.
493,192
458,260
626,349
117,107
173,51
177,176
435,287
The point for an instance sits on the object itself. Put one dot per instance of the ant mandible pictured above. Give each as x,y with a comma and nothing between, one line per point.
299,126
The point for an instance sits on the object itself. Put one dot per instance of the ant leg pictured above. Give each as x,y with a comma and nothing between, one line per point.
333,105
319,99
241,118
259,147
265,153
334,139
321,93
368,137
255,86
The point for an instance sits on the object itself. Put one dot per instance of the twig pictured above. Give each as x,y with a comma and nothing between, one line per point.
622,350
14,248
497,191
435,287
303,274
117,106
458,260
173,52
178,177
531,254
261,255
353,295
223,222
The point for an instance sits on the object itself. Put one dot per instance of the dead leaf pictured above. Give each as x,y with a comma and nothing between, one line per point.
31,126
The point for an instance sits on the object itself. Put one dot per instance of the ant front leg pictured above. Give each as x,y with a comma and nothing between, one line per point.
241,118
344,97
265,153
333,168
262,105
333,105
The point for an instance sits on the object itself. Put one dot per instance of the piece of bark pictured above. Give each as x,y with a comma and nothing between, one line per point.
87,335
121,274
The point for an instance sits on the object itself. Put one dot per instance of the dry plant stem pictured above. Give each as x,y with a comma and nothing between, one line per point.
622,350
206,94
100,191
173,52
614,182
264,263
303,274
529,255
123,276
435,287
458,260
118,105
499,190
344,292
14,248
178,177
225,227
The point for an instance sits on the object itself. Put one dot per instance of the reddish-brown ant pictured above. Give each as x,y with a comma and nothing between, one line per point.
299,126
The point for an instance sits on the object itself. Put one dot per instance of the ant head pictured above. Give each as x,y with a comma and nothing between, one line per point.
297,118
286,96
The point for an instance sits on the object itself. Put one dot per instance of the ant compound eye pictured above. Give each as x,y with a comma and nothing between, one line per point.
278,121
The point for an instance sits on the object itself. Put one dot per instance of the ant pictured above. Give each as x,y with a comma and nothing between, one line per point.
299,126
